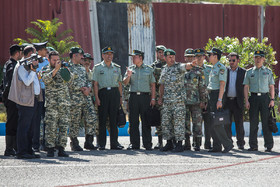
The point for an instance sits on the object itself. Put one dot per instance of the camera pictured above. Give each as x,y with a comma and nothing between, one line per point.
28,61
64,64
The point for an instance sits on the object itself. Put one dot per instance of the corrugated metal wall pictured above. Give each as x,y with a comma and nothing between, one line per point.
272,31
141,30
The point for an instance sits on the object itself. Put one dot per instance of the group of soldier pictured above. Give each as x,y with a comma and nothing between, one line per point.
73,94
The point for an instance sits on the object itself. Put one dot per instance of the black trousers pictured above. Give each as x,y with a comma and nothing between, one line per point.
40,117
138,105
12,118
26,122
259,104
109,104
237,113
207,127
218,132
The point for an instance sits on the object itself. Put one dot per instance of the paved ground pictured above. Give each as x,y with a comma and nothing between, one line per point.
145,168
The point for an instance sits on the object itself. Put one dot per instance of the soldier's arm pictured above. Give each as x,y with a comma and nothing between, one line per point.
47,76
272,94
127,76
246,93
203,93
97,101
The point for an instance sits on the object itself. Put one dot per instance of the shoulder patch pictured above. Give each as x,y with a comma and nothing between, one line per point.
222,71
219,65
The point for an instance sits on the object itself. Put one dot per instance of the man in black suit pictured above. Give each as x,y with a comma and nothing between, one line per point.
234,98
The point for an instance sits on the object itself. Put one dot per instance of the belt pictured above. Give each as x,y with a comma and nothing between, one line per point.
231,98
210,91
108,88
259,94
36,96
140,93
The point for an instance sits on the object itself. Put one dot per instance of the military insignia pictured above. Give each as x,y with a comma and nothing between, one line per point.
80,51
219,65
195,80
203,77
102,72
109,48
252,75
258,52
168,53
198,50
222,71
133,51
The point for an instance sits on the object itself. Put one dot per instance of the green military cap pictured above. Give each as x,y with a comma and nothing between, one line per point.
160,47
50,49
74,50
136,52
189,52
259,53
107,49
169,52
88,56
199,51
215,51
39,46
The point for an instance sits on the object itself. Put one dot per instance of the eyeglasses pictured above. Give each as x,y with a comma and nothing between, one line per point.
232,60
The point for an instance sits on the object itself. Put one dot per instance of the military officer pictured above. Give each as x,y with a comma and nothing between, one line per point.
158,66
216,87
259,81
172,97
57,118
108,96
197,94
80,95
142,94
189,55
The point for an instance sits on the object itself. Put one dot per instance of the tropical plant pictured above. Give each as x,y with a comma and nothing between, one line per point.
48,31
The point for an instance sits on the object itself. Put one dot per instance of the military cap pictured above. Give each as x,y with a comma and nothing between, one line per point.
215,51
107,49
199,51
88,56
24,45
14,48
50,49
136,52
233,54
75,50
169,52
39,46
189,52
160,47
259,53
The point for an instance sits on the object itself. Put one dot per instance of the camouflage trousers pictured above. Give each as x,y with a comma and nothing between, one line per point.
86,113
194,111
158,128
173,120
57,120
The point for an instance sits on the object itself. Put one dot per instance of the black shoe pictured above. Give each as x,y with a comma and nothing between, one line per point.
25,156
9,152
117,148
148,148
120,145
101,148
214,151
37,150
227,149
50,152
88,143
168,147
253,149
208,147
241,147
158,146
61,152
36,156
178,148
268,150
131,147
74,144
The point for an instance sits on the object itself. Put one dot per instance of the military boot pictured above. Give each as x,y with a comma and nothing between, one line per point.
159,144
50,152
74,144
88,143
61,152
168,147
197,143
187,145
9,146
179,147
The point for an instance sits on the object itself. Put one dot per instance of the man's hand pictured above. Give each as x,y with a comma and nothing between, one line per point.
247,105
128,72
219,105
153,102
202,105
85,90
271,104
34,64
97,101
160,101
57,65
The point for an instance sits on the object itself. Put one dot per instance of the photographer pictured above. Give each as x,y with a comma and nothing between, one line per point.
57,104
25,92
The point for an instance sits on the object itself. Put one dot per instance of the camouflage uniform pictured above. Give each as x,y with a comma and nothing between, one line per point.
196,91
57,105
81,104
158,66
173,102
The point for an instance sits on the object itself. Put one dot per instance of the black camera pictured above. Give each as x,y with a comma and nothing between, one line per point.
64,64
28,61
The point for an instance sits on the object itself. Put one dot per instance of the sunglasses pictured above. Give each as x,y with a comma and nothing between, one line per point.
232,60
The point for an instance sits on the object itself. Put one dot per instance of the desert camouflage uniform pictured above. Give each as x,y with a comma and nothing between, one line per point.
196,91
57,103
173,108
81,104
158,66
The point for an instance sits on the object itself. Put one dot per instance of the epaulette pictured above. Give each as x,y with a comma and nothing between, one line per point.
150,66
117,65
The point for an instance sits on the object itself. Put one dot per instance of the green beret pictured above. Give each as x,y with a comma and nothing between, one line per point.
88,56
199,52
259,53
160,47
189,52
215,51
169,52
74,50
136,52
107,49
65,74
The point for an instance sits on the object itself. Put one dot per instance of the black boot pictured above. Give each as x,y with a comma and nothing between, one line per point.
168,147
61,152
187,145
50,152
88,143
43,145
179,147
74,144
159,144
9,146
14,139
197,143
